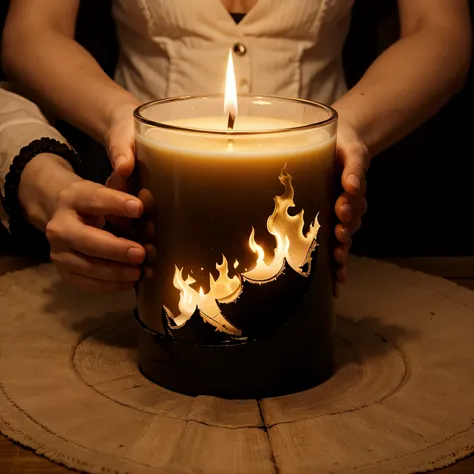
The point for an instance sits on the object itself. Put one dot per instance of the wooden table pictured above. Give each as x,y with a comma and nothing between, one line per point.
17,460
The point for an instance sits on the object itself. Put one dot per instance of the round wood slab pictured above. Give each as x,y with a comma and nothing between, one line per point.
400,402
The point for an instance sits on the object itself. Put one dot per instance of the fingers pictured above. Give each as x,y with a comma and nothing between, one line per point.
353,157
148,201
350,210
94,221
118,182
92,285
95,268
342,275
341,253
120,146
345,232
87,197
66,231
87,256
355,161
92,259
349,206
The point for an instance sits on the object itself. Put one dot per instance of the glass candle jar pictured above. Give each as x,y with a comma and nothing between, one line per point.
238,227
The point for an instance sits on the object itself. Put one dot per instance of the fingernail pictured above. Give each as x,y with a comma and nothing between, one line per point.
133,208
119,162
353,180
135,254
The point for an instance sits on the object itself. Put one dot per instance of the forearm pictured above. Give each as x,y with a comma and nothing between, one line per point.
68,81
21,122
405,86
41,182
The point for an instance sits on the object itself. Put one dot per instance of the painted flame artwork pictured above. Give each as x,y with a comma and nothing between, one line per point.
293,248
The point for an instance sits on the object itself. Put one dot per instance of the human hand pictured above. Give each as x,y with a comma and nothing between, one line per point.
85,255
353,157
120,144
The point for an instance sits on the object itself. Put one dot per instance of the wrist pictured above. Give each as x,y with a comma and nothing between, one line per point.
45,178
121,113
350,127
42,179
347,115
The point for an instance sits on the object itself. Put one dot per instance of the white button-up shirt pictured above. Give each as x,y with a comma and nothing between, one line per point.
180,47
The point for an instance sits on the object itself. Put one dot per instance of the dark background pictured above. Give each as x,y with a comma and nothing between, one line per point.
419,192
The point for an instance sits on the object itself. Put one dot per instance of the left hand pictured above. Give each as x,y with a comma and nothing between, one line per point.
353,158
120,145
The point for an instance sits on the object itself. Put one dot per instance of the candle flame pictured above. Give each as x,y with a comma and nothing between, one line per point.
293,246
230,99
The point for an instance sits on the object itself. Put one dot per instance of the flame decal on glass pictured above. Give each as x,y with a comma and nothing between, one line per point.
292,245
293,248
224,289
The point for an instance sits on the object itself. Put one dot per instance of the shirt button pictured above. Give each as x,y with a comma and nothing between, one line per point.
240,49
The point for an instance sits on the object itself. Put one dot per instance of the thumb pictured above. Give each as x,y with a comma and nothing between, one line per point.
120,148
355,161
118,182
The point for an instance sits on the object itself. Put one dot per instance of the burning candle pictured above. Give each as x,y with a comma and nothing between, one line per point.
238,194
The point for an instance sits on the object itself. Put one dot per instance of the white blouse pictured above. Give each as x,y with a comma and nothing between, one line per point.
291,48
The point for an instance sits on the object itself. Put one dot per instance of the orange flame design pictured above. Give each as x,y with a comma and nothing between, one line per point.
292,247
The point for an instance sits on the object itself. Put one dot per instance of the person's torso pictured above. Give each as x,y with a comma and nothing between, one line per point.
180,47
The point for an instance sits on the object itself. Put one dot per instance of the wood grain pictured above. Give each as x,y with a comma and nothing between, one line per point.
445,267
17,460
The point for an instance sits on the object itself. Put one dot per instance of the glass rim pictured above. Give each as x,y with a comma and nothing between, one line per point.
333,116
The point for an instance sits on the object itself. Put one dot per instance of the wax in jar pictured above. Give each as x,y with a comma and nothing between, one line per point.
241,224
215,195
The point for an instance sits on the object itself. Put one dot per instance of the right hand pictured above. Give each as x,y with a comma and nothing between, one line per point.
85,255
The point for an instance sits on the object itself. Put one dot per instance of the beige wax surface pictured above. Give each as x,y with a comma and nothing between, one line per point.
241,124
265,145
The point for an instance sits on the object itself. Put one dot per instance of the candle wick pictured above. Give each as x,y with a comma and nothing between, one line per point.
231,121
230,126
